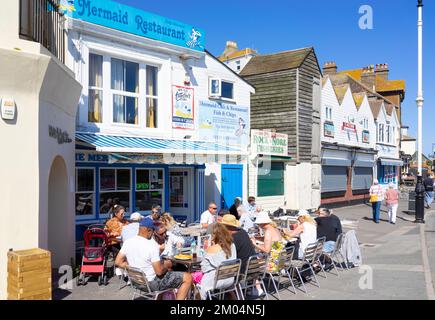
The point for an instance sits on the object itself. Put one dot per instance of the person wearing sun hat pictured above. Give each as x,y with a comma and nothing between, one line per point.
307,232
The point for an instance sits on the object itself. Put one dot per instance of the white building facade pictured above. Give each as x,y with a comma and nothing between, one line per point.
161,121
348,144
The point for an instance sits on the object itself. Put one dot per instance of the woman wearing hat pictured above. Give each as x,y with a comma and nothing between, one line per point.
273,241
307,232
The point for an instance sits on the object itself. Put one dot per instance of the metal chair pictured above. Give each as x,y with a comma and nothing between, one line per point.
320,243
140,285
285,260
306,264
256,269
336,254
227,270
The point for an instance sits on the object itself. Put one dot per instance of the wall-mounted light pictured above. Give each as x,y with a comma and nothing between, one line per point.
187,79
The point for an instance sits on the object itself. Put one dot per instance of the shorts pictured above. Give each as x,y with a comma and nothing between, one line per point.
171,280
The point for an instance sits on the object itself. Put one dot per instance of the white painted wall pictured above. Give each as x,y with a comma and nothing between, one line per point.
240,61
409,147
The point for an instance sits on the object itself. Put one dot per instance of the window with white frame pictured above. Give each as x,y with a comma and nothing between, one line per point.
227,90
115,188
328,113
380,132
125,91
221,89
149,189
388,133
95,92
128,93
85,192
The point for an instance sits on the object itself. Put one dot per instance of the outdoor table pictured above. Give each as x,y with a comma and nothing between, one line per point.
188,263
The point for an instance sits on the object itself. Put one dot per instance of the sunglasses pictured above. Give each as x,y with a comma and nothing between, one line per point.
213,208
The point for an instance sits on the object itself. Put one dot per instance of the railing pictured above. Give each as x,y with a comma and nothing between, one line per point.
42,21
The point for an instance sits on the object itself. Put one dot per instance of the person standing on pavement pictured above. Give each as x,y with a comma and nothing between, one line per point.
392,199
429,193
376,198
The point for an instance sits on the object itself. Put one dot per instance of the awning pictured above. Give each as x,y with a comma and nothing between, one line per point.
391,162
336,162
124,144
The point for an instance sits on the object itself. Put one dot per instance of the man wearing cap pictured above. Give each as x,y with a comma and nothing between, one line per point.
132,229
142,252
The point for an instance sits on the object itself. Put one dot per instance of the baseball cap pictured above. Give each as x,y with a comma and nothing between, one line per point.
147,223
136,216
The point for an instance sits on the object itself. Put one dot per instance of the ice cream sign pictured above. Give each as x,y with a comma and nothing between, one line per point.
138,22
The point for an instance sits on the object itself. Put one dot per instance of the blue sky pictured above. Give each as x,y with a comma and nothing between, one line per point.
331,27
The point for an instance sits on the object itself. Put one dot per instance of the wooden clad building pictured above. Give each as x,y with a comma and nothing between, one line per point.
287,100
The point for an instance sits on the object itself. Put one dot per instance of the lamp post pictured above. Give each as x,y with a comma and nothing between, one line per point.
419,189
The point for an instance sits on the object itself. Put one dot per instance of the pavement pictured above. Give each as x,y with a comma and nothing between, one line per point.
398,263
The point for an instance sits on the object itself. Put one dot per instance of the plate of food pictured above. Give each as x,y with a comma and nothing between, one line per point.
183,257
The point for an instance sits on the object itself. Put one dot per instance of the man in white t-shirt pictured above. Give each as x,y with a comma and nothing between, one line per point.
142,252
209,216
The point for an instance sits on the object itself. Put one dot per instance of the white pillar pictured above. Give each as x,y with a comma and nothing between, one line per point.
420,99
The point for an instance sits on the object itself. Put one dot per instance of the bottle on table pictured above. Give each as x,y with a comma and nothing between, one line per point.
193,249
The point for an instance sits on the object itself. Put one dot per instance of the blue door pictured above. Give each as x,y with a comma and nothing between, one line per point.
231,184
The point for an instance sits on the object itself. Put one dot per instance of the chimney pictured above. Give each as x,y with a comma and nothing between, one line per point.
329,68
230,48
368,77
382,70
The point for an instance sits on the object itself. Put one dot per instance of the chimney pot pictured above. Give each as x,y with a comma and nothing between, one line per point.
329,67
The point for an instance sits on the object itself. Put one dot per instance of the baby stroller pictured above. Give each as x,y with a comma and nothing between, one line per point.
94,258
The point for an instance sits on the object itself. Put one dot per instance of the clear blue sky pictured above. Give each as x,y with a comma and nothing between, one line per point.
331,27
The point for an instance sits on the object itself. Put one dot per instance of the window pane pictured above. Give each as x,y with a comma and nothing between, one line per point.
152,113
151,81
123,179
117,71
156,179
85,180
142,180
132,77
125,109
107,179
271,182
146,199
95,70
227,90
121,198
95,106
84,204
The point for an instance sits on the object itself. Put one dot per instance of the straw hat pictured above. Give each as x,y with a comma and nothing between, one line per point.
263,218
230,220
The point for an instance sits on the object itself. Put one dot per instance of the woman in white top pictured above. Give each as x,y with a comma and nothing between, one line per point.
376,193
307,232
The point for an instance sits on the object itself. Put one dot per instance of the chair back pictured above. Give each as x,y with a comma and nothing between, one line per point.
256,267
320,243
287,257
338,243
227,270
138,279
310,252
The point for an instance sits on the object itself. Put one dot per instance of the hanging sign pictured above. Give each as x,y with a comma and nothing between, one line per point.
348,127
183,108
328,130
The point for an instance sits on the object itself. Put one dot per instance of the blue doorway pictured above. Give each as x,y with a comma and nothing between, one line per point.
231,184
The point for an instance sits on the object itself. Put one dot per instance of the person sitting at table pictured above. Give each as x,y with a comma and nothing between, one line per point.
233,209
209,216
245,219
222,249
168,242
329,226
142,252
171,225
220,215
273,241
114,228
131,229
156,212
306,230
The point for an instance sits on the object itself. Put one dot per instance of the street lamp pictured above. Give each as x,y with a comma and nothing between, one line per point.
419,189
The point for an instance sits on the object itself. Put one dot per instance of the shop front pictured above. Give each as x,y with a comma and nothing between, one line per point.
388,166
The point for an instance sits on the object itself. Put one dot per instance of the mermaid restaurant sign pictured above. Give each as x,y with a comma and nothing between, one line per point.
129,19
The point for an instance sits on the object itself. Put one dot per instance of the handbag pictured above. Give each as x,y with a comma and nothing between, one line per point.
373,198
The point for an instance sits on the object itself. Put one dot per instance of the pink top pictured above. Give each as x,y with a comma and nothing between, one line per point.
392,196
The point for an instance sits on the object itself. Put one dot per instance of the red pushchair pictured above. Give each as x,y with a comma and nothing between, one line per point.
94,258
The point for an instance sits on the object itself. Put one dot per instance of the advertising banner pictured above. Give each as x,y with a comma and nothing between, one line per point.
328,130
183,108
269,143
223,123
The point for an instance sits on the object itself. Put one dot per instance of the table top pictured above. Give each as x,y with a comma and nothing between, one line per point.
196,260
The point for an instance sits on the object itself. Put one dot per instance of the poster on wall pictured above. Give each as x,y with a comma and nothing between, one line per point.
366,137
224,123
183,108
328,130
